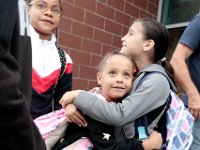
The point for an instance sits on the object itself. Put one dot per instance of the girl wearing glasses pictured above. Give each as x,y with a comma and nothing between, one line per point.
51,66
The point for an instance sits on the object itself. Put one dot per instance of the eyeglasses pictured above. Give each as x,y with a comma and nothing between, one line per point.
43,6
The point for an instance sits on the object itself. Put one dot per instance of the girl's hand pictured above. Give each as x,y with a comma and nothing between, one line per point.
69,97
153,142
73,115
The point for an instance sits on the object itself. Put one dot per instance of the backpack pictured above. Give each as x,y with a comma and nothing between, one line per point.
179,121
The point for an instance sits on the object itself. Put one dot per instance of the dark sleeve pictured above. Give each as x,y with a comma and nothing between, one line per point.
105,137
64,85
191,35
17,128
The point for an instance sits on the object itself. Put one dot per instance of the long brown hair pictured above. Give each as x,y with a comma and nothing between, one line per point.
159,34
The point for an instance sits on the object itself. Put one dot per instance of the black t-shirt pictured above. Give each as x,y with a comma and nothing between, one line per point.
103,137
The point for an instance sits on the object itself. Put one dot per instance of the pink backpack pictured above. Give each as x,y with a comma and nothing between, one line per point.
179,125
179,121
52,127
49,122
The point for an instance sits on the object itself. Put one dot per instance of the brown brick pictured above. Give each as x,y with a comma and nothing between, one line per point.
122,18
153,9
86,4
82,30
103,10
73,12
102,36
95,60
65,25
68,1
92,84
81,58
131,1
69,40
142,4
125,30
103,1
107,48
94,20
145,14
117,41
113,27
118,4
79,84
91,46
132,10
75,70
88,72
156,2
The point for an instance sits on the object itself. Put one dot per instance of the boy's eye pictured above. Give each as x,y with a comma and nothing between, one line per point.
127,74
112,72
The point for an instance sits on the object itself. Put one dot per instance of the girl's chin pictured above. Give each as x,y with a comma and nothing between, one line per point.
123,50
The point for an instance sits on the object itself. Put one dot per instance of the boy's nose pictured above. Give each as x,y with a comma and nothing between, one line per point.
119,78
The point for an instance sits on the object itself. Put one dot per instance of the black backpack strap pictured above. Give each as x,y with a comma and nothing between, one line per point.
143,120
141,124
63,61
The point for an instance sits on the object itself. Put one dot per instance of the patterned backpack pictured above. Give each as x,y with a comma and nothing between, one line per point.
179,125
179,122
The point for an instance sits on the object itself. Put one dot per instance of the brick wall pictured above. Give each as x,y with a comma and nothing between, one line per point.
90,28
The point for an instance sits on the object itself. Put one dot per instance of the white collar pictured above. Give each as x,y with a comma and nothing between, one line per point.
36,39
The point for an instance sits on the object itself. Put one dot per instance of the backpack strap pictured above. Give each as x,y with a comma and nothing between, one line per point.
143,121
63,61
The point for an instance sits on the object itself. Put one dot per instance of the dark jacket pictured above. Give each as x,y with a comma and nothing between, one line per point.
17,128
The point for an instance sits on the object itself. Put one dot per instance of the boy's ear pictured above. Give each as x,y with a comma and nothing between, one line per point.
148,45
99,78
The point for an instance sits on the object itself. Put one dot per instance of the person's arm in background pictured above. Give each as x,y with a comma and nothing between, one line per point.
187,46
181,72
17,128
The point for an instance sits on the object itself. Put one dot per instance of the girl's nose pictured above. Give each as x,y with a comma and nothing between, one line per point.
122,39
